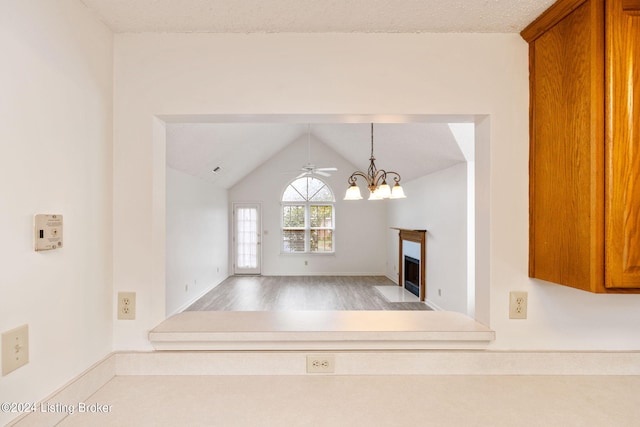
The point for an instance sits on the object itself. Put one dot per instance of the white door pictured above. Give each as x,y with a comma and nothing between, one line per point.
246,236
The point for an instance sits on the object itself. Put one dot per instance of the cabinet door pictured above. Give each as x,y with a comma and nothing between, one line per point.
623,144
566,191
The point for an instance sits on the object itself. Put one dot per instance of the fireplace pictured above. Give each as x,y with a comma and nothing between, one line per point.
412,275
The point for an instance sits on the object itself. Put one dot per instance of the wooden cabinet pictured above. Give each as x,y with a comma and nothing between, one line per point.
622,208
584,172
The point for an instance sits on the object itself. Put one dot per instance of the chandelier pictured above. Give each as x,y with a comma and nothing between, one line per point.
376,180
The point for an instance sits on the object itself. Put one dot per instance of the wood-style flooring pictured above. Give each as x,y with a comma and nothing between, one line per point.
288,293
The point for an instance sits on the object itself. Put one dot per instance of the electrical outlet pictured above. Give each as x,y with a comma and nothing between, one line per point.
517,305
126,305
15,349
321,364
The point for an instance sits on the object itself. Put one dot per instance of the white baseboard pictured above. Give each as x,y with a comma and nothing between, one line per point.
393,279
381,363
186,305
54,408
86,384
433,306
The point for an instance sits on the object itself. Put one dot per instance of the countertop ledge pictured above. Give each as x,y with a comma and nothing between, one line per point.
320,330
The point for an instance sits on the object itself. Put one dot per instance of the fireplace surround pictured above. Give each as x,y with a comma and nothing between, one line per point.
420,237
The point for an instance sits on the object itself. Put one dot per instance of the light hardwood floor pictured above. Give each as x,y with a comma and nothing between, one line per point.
284,293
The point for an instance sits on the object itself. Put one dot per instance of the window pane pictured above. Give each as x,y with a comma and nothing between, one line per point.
292,195
293,240
321,216
321,241
307,227
307,188
313,186
323,194
300,185
293,216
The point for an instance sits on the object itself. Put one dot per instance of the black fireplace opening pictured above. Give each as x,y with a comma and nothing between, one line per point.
412,275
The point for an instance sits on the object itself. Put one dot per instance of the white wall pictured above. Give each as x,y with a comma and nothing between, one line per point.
438,203
55,157
358,223
400,74
197,239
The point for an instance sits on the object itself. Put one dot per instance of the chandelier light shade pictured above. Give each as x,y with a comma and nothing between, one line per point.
376,180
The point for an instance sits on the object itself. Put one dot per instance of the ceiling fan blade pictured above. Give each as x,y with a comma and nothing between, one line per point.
310,169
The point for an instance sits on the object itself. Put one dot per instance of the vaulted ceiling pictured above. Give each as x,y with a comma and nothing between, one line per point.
412,149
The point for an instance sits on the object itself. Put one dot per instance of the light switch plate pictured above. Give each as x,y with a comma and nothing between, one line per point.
47,232
15,349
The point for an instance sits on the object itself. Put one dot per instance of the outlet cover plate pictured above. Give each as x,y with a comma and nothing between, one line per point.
126,305
517,305
15,349
321,364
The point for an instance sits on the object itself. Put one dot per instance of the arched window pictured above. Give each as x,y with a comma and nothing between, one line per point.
308,217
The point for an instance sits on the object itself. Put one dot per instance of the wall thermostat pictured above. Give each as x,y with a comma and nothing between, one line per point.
47,232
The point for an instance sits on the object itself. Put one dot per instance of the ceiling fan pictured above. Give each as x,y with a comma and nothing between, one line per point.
310,168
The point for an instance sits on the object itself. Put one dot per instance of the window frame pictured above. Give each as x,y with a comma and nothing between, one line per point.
307,205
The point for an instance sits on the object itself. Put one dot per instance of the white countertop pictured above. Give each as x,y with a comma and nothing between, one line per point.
315,330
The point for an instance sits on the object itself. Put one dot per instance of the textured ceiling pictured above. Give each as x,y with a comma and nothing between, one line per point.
238,148
318,16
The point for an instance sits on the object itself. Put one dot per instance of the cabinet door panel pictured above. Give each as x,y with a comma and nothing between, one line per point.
567,154
623,145
631,6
